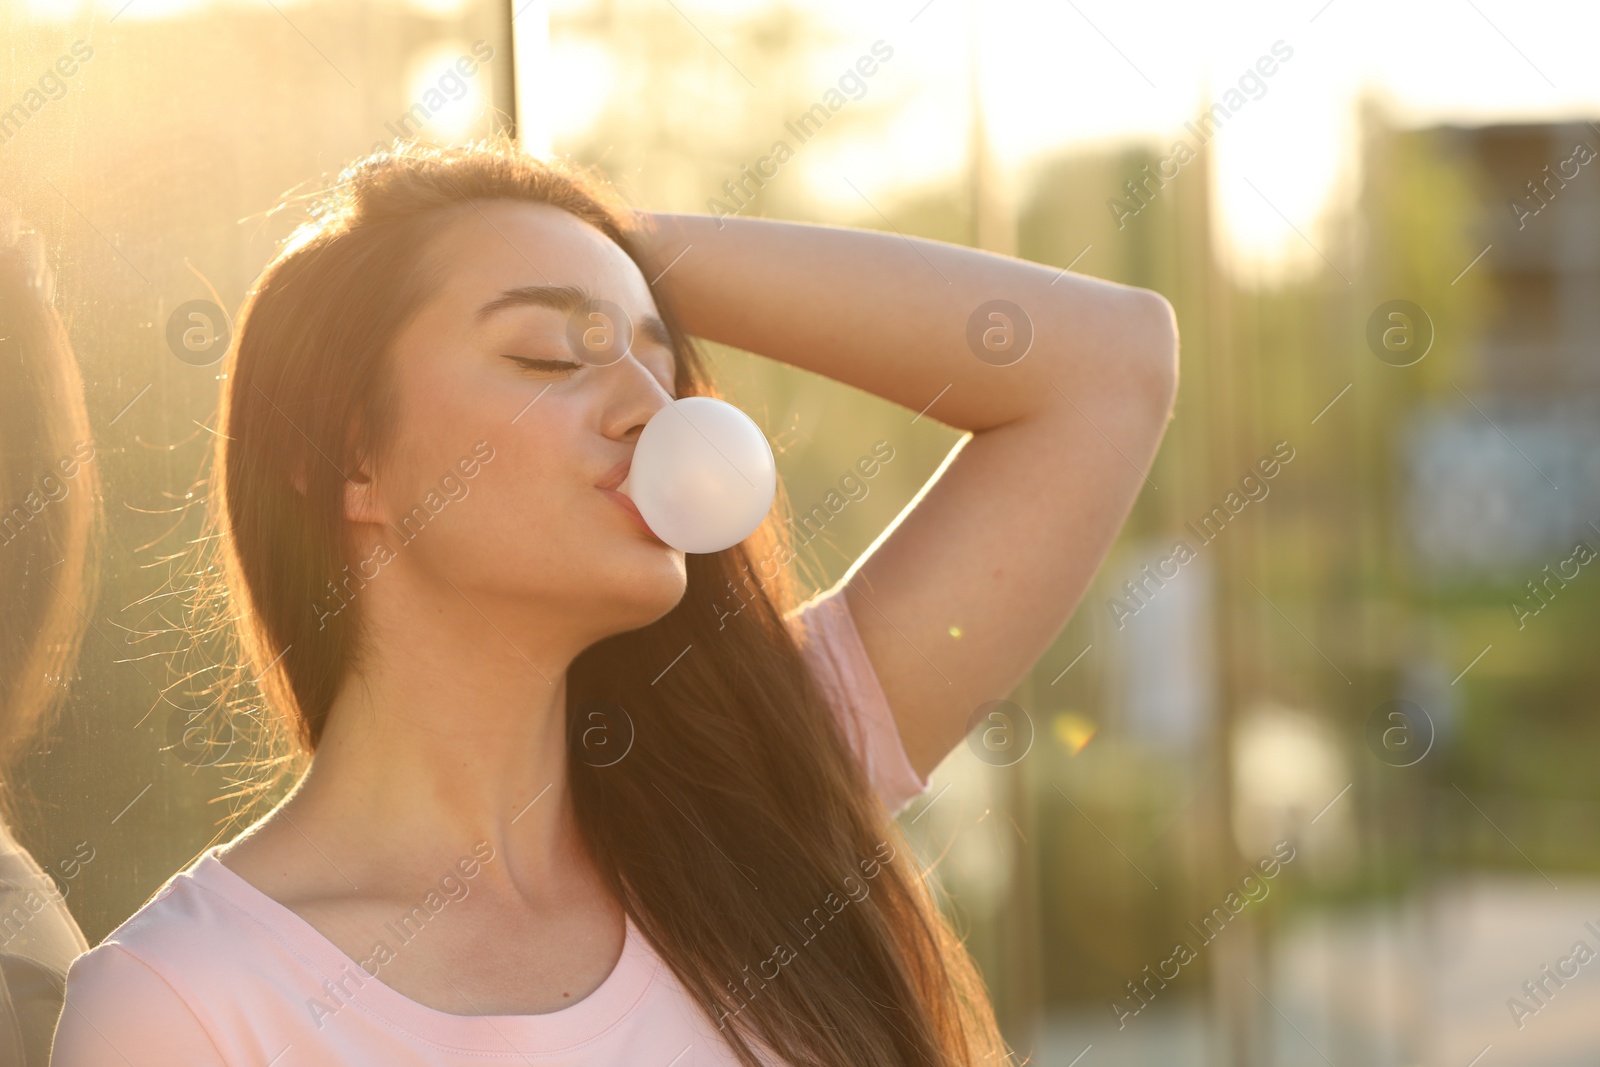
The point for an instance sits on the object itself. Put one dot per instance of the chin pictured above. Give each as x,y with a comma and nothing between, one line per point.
655,584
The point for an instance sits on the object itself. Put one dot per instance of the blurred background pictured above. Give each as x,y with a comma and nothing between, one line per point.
1325,719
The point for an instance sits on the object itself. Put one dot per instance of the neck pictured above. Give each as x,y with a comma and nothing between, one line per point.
449,731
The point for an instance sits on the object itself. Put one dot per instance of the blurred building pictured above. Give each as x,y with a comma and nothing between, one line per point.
1505,475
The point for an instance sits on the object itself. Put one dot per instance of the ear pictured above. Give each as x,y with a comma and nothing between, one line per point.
361,502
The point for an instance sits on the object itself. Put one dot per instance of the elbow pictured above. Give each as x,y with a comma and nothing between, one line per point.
1153,349
1118,349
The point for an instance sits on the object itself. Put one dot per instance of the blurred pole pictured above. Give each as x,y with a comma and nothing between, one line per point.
1236,1012
993,226
530,92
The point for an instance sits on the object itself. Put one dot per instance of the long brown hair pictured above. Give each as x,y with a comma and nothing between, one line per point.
49,498
738,822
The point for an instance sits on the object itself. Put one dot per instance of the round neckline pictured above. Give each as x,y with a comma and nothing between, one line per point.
586,1020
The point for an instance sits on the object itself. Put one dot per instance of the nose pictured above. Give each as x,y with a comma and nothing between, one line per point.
638,396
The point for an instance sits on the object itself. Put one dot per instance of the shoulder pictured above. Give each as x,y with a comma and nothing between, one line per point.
830,643
130,998
121,1008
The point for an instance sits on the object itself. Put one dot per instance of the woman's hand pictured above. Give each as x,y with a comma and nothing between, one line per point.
973,581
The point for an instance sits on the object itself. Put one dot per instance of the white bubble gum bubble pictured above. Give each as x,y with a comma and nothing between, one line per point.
702,475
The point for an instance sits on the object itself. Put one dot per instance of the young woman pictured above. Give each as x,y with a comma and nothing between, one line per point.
574,797
49,497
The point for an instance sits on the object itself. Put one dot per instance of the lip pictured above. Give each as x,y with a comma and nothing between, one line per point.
616,475
628,506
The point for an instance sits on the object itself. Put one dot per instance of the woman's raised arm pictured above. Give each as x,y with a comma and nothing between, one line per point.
971,583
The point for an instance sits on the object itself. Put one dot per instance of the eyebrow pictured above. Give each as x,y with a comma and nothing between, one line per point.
567,298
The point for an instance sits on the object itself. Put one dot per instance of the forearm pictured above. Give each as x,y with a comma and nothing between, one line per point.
890,315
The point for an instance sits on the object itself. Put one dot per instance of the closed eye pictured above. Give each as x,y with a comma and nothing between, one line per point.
566,366
555,365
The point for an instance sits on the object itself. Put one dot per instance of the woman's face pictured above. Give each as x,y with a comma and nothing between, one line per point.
528,530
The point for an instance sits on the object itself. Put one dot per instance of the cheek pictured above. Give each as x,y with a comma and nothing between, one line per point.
526,501
437,421
530,517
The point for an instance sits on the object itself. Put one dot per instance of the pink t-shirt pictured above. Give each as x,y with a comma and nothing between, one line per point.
212,971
